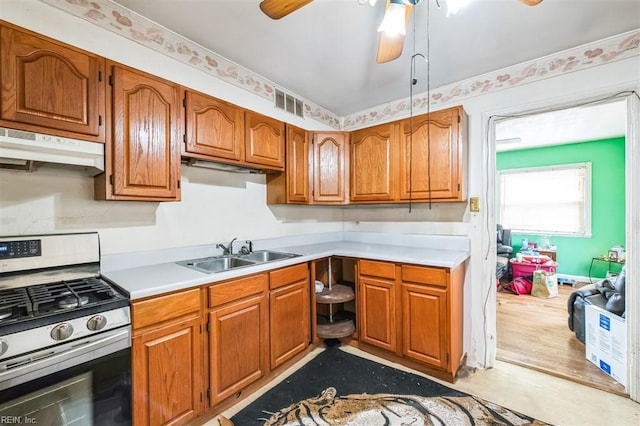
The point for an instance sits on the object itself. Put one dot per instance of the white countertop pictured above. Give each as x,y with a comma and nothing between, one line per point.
155,279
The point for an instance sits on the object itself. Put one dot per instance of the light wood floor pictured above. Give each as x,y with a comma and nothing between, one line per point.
533,333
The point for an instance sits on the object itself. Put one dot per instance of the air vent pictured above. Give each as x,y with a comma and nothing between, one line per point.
289,103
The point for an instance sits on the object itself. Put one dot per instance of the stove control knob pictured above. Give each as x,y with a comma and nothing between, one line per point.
62,331
96,322
4,346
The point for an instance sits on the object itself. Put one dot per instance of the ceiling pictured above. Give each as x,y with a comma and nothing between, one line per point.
325,52
579,124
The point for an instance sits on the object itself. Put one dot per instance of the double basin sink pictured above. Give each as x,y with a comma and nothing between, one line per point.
223,263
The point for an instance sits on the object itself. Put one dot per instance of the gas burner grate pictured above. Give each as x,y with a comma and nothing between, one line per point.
65,295
14,305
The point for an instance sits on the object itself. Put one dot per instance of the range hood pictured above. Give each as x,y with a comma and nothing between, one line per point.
203,164
20,149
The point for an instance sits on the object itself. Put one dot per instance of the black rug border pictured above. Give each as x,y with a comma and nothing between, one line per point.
321,372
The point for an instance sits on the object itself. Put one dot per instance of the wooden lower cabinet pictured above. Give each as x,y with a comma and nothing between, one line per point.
289,302
378,304
166,378
432,316
413,311
238,336
166,359
424,324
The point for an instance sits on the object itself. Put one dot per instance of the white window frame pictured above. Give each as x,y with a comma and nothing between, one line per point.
587,196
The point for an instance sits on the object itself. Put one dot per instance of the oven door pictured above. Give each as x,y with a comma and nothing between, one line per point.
86,382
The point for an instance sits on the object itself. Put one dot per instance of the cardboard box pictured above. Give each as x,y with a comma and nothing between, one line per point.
606,342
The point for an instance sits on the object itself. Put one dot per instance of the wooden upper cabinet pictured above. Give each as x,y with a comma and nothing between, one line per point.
214,128
431,156
330,167
297,170
264,141
143,153
50,87
373,163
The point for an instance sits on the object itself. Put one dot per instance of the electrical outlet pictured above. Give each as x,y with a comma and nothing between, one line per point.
474,204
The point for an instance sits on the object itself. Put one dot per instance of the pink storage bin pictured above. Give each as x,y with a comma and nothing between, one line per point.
525,269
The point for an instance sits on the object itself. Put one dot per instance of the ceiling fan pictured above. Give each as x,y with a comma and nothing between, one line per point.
392,32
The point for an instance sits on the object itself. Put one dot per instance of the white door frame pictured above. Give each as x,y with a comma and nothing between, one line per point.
632,179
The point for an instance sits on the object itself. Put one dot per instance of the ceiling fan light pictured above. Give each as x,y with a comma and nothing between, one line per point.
453,6
393,23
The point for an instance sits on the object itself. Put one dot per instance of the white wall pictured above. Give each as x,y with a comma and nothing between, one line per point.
217,206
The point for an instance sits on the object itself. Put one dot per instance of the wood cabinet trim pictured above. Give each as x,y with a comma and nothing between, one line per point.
288,275
425,275
161,309
377,268
235,289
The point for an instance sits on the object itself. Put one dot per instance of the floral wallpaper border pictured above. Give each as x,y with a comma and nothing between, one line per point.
131,25
116,18
611,49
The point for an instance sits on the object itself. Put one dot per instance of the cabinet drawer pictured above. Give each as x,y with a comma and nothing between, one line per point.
285,276
163,308
378,269
237,289
424,275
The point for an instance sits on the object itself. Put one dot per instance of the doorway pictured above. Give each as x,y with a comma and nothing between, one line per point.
532,332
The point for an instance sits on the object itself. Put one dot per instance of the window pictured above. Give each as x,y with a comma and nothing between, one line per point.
546,200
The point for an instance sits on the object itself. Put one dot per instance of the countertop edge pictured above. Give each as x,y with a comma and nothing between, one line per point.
131,279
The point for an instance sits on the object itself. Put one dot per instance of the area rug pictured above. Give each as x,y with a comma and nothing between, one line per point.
337,388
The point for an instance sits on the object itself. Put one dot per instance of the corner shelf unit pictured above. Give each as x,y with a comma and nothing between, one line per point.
335,304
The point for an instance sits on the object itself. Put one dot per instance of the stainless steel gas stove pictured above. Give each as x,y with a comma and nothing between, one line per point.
65,333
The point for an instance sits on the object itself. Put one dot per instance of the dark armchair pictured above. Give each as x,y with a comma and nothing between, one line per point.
605,294
504,251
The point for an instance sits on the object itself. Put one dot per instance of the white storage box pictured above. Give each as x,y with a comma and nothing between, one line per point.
606,341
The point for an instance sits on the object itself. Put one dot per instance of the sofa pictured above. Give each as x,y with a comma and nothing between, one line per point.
608,294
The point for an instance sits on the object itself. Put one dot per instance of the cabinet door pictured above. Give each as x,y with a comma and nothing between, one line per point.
145,145
51,87
424,324
288,321
378,312
238,339
430,161
214,128
297,165
373,163
264,140
330,167
166,374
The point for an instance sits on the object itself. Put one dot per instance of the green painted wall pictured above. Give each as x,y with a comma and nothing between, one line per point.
607,199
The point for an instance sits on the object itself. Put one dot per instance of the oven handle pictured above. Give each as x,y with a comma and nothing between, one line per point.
38,364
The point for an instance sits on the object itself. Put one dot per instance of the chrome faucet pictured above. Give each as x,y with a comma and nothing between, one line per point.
246,250
228,249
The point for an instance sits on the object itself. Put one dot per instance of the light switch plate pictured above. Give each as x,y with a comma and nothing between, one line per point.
474,204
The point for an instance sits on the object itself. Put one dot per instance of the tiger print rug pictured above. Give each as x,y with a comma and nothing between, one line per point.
388,409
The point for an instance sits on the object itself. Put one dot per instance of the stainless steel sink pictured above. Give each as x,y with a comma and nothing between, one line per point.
217,264
227,262
262,256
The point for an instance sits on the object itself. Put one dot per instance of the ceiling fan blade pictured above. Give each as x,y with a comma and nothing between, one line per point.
276,9
390,48
531,2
